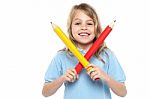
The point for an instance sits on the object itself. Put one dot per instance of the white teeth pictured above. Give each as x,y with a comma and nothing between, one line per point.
83,34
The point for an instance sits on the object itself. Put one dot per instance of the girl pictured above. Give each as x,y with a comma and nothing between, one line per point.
83,29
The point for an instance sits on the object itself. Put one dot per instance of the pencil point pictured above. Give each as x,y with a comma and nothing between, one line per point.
51,22
112,24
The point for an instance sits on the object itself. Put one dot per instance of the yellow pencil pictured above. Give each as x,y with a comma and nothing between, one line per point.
71,46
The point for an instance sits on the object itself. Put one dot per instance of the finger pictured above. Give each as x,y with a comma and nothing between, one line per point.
70,72
93,74
70,75
90,71
74,71
68,79
71,78
95,77
75,74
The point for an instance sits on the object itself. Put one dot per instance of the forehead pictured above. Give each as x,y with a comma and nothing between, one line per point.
79,14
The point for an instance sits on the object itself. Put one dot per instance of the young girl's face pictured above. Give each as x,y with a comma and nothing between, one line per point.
83,29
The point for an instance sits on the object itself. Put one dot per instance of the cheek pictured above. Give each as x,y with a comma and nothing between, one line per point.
74,30
91,28
93,31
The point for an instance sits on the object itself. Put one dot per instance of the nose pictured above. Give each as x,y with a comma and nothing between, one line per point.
83,27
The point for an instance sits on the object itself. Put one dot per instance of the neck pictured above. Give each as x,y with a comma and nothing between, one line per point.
84,46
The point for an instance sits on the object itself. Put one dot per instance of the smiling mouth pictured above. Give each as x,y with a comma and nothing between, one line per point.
84,34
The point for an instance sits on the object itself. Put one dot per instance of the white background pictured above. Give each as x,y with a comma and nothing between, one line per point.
28,43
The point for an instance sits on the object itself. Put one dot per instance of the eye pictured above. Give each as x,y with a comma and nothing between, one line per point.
89,23
77,23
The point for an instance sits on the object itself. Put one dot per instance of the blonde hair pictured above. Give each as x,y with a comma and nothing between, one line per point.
89,11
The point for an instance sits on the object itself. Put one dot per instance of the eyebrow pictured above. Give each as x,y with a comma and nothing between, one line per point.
86,20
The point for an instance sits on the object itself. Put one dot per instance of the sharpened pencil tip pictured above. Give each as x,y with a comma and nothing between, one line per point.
112,24
51,22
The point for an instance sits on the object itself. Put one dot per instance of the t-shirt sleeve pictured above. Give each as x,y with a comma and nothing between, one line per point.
114,68
54,70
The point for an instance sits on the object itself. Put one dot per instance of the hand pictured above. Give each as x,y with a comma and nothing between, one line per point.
70,75
97,73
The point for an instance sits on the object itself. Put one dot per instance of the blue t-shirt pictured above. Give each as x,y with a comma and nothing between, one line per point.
85,87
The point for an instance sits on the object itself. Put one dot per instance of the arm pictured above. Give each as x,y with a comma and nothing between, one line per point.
117,87
50,88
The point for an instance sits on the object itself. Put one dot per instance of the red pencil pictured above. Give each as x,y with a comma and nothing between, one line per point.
96,45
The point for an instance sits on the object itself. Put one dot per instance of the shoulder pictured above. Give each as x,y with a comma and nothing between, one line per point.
58,57
60,54
107,52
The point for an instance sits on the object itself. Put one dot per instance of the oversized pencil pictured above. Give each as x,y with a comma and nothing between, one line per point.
96,45
71,46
